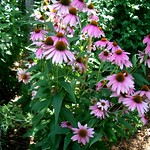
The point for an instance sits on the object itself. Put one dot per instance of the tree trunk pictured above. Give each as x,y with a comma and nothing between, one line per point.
29,10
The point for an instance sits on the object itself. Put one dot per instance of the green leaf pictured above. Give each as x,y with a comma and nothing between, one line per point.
97,137
57,103
139,79
125,123
76,147
50,26
67,141
41,92
73,39
67,86
40,105
120,131
69,116
111,134
134,60
39,83
144,69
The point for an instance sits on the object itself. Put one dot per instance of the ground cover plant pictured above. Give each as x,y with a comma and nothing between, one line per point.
86,90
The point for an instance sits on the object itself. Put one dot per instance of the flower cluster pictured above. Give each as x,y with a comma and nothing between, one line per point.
76,62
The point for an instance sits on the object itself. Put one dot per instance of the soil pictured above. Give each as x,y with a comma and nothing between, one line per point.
14,140
140,141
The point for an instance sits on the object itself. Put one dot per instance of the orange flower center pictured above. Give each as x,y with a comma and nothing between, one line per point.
60,45
68,123
37,30
105,53
145,88
115,43
100,28
79,60
118,52
73,11
24,76
42,17
82,133
65,2
120,77
103,39
102,103
94,23
49,41
60,35
90,6
137,99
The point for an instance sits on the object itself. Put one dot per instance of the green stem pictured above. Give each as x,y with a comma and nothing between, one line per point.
88,50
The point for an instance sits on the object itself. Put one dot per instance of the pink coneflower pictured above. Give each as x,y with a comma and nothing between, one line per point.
121,96
62,6
103,104
120,58
147,61
98,112
104,55
82,133
44,47
146,39
58,53
33,94
23,75
79,4
142,58
90,9
144,118
94,17
136,102
72,19
69,30
93,47
93,30
121,82
145,92
38,34
113,46
47,43
66,124
59,37
100,84
78,64
102,43
39,53
147,49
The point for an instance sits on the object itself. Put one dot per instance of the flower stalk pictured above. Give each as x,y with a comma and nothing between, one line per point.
88,50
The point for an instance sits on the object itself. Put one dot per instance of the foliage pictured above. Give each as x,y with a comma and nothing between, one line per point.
13,38
12,116
13,122
126,22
